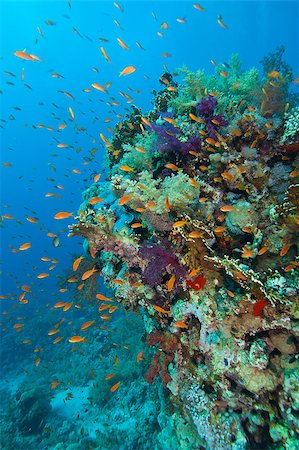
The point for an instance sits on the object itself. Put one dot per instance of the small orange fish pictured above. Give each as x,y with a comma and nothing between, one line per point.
195,234
122,44
58,339
136,225
75,339
219,229
118,281
247,253
37,361
23,55
223,73
88,273
76,263
86,325
171,166
102,297
170,283
167,204
115,387
96,177
67,306
285,249
126,168
127,70
161,310
104,53
139,357
262,250
42,275
25,246
124,199
110,375
59,304
51,332
198,7
54,384
227,208
62,215
98,87
180,324
179,223
95,200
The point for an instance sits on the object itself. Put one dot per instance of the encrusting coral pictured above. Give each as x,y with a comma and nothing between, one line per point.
198,230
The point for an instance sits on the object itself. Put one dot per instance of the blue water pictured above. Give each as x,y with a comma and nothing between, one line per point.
255,28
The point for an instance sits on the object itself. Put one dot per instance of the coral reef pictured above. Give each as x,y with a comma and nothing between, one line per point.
198,230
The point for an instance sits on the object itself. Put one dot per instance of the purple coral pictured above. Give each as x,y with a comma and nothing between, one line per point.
205,109
158,257
167,140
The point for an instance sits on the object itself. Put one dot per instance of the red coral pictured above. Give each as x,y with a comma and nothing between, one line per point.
168,343
196,284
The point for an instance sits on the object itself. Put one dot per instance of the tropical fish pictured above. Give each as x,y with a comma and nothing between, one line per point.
75,339
62,215
124,199
161,310
220,22
180,324
115,387
122,44
76,263
88,273
170,283
25,246
127,70
86,325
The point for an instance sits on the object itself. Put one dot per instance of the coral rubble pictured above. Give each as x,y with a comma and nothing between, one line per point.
198,230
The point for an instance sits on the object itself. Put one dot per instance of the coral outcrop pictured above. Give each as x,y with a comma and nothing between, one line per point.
198,230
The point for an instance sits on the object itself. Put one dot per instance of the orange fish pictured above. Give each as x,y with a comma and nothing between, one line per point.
198,7
110,375
54,384
195,234
124,199
161,310
67,306
247,253
32,219
76,339
122,44
96,177
51,332
171,166
140,357
102,297
98,87
88,273
59,304
136,225
104,53
179,223
170,283
227,208
262,250
115,387
180,324
37,361
25,246
167,204
42,275
285,249
126,168
127,70
77,263
62,215
58,339
86,325
23,55
95,200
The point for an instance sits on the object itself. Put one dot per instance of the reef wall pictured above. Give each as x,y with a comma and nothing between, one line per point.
197,228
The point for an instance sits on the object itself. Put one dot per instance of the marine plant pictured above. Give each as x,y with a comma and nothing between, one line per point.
199,233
